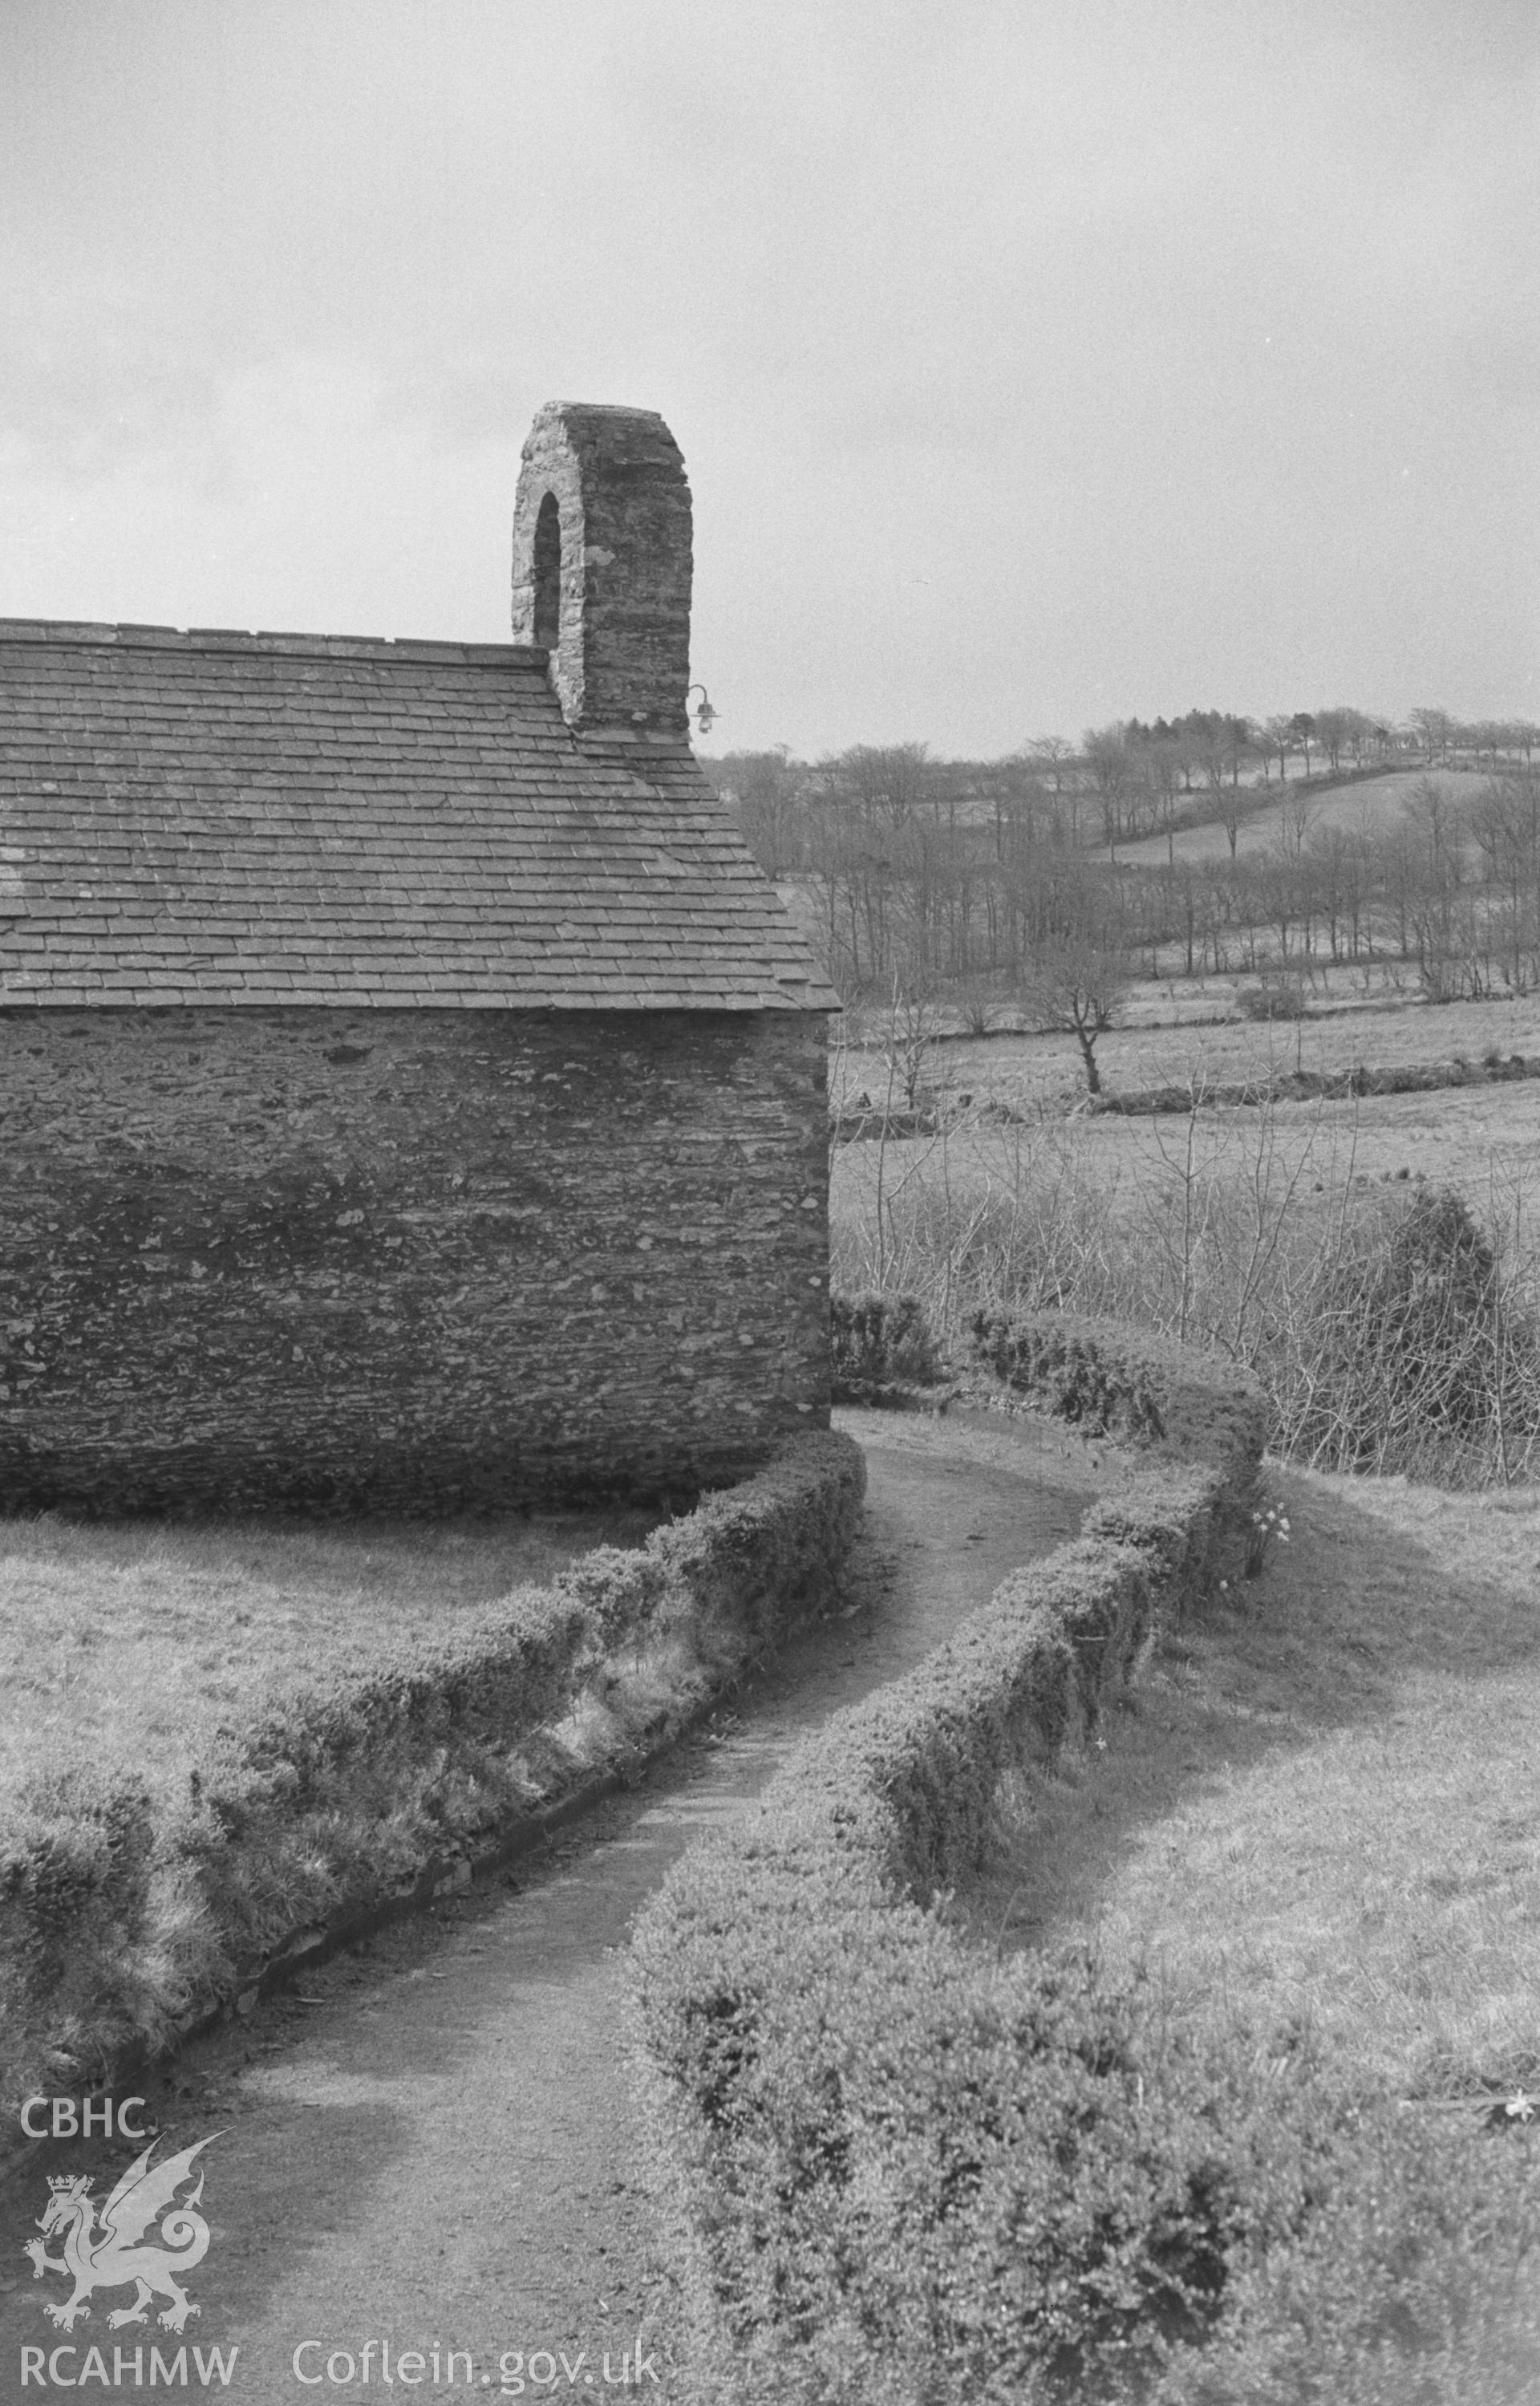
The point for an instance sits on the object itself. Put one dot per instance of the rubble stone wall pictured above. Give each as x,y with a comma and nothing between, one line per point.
406,1260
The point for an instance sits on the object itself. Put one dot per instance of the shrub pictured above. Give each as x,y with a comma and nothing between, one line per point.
981,1007
75,1872
925,2178
1118,1381
898,2173
1409,1339
1239,1250
113,1930
1101,1382
1274,999
878,1341
950,2182
1407,2277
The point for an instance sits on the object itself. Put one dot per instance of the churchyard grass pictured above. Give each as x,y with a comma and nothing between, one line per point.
128,1641
1317,1809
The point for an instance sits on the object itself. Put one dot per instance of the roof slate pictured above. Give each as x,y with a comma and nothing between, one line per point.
222,817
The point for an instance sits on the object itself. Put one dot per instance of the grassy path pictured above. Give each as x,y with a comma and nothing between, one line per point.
435,2144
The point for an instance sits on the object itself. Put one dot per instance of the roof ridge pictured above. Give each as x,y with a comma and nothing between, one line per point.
130,635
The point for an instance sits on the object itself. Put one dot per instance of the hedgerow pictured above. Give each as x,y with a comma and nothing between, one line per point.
877,1341
893,2170
1119,1382
119,1925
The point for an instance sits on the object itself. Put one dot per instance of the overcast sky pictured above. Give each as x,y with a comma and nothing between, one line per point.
1036,362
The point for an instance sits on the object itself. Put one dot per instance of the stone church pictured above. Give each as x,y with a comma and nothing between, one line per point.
413,1093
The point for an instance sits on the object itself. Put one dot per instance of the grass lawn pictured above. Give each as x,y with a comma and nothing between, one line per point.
126,1641
1323,1804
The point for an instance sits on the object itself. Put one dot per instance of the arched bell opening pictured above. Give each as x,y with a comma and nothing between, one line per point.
547,566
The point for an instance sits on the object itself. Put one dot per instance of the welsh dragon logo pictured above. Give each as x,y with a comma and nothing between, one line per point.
110,2257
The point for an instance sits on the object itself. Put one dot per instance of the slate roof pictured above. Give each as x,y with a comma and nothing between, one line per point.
223,817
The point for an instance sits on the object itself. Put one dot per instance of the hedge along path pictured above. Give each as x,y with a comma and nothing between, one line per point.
445,2149
132,1908
840,2098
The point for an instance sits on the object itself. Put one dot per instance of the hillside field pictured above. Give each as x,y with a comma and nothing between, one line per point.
1043,1073
1484,1141
1271,811
1229,1224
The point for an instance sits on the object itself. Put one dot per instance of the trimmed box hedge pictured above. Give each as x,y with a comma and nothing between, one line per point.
1128,1383
878,1344
777,1969
892,2169
120,1931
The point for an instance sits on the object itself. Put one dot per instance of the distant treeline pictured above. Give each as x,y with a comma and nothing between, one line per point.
943,872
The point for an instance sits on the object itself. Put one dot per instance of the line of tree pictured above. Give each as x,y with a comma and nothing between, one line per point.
942,873
1122,783
1447,887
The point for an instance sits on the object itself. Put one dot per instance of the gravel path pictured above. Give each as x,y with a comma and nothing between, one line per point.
432,2145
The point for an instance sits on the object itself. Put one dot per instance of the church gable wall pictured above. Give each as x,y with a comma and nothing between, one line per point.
405,1260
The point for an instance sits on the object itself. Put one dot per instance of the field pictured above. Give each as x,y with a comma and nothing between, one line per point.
1480,1139
1320,1808
1269,814
1483,1139
1264,1232
1042,1074
132,1639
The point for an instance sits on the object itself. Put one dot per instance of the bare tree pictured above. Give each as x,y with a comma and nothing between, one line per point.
1334,731
1330,856
1107,759
1303,730
1230,814
1162,772
911,1034
1051,753
766,792
887,783
1079,986
1434,727
1056,757
1280,738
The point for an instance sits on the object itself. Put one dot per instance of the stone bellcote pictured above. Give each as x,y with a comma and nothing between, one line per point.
601,563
